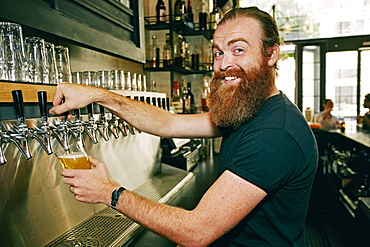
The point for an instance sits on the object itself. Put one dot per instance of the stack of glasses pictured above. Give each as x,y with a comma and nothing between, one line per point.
111,79
32,60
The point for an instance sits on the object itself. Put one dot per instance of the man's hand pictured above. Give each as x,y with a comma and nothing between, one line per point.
91,185
70,96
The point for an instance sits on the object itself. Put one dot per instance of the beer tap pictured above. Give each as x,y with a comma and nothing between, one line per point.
19,137
78,127
62,131
103,124
2,155
114,126
43,133
90,125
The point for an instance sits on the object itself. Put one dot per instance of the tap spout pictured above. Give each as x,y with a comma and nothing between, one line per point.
2,155
78,127
19,137
114,126
103,124
44,133
90,125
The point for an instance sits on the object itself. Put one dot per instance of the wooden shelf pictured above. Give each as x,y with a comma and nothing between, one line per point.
29,91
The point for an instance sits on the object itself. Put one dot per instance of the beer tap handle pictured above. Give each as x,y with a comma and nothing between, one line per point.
102,111
43,101
19,106
90,110
77,113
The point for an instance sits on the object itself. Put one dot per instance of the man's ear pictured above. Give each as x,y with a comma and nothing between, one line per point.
274,53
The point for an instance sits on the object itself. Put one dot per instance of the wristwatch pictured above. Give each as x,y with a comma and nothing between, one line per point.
115,195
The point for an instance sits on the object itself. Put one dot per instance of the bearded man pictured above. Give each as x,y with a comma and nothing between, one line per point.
268,155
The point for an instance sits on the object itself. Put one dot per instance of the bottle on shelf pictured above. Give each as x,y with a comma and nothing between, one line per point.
179,10
176,98
167,61
205,92
161,12
180,52
192,100
187,55
215,15
189,13
153,60
185,98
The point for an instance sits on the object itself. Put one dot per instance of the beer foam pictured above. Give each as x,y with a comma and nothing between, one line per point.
72,156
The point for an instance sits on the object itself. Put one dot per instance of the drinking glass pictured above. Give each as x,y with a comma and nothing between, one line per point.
73,157
51,63
13,63
35,50
77,77
63,65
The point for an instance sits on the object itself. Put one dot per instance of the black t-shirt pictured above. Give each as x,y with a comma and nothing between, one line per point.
277,152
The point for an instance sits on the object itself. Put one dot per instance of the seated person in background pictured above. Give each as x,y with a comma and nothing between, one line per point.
365,120
326,119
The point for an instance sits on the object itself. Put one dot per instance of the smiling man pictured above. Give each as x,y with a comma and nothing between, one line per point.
268,156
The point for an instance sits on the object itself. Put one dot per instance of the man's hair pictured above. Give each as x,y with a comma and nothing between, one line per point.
325,101
268,25
367,97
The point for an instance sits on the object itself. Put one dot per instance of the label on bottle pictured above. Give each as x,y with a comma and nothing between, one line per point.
178,106
162,15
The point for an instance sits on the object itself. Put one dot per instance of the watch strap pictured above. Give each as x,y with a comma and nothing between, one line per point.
115,196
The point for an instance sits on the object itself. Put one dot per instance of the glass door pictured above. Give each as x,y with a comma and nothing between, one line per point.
341,85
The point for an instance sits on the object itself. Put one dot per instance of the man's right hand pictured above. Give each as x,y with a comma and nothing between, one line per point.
70,96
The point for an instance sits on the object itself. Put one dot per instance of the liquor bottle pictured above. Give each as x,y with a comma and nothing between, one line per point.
179,10
167,62
215,15
161,11
205,92
185,98
154,53
180,52
189,11
192,100
176,99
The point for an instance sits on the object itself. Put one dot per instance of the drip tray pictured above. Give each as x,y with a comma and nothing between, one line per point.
111,228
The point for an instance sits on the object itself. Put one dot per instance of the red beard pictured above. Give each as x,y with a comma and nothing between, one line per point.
233,105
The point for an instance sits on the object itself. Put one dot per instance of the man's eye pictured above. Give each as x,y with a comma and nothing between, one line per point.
218,53
238,50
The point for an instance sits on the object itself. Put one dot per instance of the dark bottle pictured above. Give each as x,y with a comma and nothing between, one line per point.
161,11
179,52
179,10
189,11
153,53
167,62
192,100
188,99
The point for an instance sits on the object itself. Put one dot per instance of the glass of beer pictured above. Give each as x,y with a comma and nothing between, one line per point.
73,157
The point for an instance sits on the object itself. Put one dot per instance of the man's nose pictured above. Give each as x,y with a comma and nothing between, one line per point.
226,62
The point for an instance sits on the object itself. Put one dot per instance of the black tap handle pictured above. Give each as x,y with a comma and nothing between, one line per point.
102,111
77,113
43,101
90,109
18,103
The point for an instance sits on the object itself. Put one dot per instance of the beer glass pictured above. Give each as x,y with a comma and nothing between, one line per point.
37,69
63,65
73,157
51,63
13,63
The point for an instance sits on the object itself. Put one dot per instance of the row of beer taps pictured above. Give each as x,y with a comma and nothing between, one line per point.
20,134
